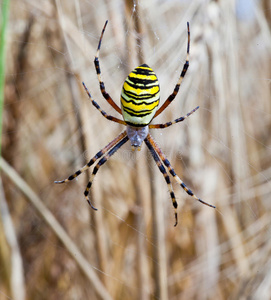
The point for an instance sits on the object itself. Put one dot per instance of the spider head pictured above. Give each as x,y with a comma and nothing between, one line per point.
137,135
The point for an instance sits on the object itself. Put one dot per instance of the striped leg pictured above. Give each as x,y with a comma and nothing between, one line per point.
177,87
108,117
98,155
173,122
172,172
100,163
165,174
98,71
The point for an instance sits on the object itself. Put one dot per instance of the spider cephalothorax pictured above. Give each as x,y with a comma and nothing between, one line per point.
137,135
140,97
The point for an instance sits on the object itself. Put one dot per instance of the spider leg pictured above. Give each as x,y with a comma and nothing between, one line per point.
166,177
98,71
108,117
93,159
165,125
172,172
177,87
100,163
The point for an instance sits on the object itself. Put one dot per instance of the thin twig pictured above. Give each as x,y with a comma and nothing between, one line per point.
17,282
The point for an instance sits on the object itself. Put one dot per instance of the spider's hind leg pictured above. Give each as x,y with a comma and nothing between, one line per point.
172,172
103,160
165,174
93,159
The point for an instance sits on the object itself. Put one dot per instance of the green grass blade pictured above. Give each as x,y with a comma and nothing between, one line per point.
4,21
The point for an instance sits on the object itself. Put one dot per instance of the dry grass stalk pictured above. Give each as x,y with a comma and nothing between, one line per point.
222,152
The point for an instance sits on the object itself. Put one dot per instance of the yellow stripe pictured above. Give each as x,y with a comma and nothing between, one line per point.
142,76
139,91
147,99
145,68
137,108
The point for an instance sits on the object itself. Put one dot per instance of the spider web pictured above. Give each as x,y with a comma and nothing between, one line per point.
222,151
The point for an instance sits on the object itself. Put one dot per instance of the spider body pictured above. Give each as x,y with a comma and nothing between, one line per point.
140,97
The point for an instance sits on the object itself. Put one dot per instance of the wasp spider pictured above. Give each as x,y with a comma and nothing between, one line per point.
140,97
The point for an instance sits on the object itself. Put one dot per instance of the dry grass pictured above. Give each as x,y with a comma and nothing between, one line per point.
129,247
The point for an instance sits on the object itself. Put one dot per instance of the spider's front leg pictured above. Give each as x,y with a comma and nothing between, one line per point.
172,96
96,105
106,96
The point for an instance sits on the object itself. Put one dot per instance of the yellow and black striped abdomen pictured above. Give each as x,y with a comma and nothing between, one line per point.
140,96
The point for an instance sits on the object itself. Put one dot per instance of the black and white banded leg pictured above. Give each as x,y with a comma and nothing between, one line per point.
165,125
98,71
108,117
99,164
172,172
166,177
94,158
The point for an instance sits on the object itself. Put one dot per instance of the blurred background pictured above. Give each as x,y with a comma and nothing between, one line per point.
52,245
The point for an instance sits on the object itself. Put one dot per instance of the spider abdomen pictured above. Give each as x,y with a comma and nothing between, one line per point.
140,96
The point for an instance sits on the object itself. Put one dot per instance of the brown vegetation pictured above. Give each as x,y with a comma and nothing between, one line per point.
129,248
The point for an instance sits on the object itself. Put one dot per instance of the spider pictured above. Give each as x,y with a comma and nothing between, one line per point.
140,97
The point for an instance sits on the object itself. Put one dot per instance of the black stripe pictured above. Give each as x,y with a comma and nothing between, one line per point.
135,96
119,144
87,188
162,169
167,163
141,102
143,72
95,170
144,65
137,115
175,204
185,67
148,111
153,153
74,175
98,155
97,66
135,86
141,81
102,161
136,124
